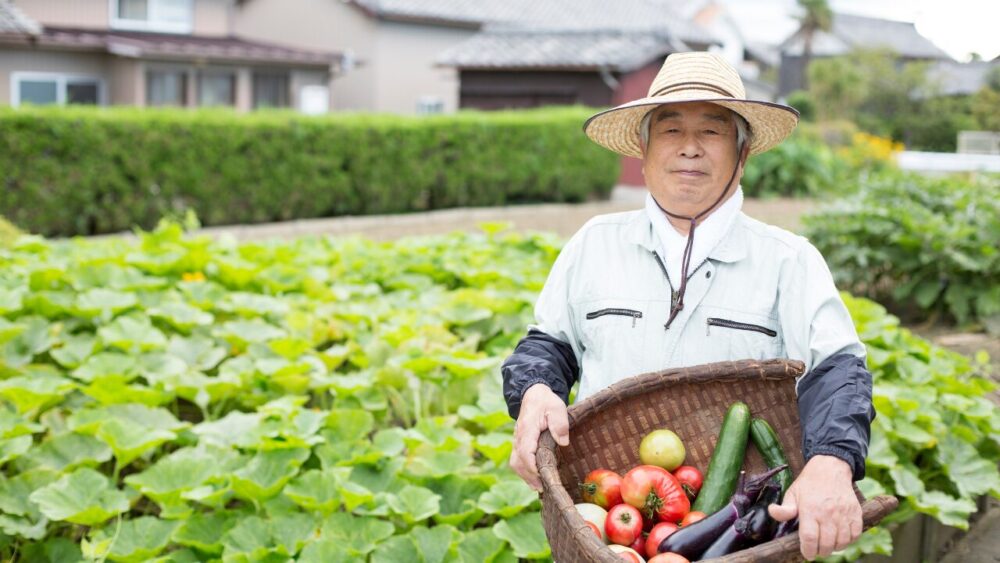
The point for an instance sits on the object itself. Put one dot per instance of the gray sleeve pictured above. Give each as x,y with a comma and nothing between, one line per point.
836,411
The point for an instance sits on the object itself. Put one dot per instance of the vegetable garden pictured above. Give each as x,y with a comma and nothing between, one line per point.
175,398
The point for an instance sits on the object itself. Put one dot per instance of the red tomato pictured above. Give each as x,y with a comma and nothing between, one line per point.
602,487
639,544
655,490
690,478
624,524
669,557
626,553
692,517
596,530
657,535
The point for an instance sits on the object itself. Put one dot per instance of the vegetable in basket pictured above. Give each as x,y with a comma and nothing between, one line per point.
766,440
754,527
692,540
727,459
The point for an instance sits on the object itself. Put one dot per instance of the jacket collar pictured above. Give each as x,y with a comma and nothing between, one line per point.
732,247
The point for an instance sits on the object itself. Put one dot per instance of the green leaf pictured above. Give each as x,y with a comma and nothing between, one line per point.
181,316
438,463
204,532
267,473
507,498
971,473
52,550
318,491
326,551
875,540
14,492
524,533
103,302
129,441
235,429
350,424
459,497
358,534
397,548
14,448
437,544
948,510
907,479
89,421
479,546
67,451
74,350
198,352
414,504
35,391
136,540
105,364
496,446
83,497
132,333
243,333
181,471
114,389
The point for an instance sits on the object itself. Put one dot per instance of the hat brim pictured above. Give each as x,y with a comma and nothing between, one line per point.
617,129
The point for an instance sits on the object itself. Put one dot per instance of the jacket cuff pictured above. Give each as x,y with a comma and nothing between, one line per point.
515,396
857,464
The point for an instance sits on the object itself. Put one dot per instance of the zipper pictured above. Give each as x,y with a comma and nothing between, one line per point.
673,292
623,312
738,326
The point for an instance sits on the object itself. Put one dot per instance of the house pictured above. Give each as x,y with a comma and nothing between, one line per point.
390,45
587,52
152,53
850,32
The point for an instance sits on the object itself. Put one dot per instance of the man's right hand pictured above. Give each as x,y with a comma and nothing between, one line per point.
541,409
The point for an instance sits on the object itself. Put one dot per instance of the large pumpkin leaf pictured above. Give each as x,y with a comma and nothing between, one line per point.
525,535
83,497
133,541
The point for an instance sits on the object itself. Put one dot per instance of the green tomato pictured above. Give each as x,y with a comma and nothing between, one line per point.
662,448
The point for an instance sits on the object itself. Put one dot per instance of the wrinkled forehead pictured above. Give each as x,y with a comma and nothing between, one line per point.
690,110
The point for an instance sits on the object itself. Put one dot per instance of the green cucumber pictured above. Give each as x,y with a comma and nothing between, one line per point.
727,460
766,440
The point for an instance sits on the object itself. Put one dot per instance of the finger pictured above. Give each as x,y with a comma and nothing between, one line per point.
526,471
827,538
809,538
558,425
857,526
844,538
785,511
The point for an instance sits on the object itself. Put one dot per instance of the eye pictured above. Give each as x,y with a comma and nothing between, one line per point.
711,132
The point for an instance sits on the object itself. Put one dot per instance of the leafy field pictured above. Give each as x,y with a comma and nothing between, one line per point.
336,399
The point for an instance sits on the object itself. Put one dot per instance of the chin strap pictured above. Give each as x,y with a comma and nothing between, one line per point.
677,304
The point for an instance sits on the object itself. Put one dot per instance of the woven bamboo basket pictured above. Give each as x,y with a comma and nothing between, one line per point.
606,428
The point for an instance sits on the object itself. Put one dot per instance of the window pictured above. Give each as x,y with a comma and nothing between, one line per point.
429,104
270,90
172,16
55,89
166,88
216,89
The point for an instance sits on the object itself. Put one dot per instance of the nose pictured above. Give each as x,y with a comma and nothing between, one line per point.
690,147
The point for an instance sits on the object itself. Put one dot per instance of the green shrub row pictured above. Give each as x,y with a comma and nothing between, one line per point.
79,171
927,245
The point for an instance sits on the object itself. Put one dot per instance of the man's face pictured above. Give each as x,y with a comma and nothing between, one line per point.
691,154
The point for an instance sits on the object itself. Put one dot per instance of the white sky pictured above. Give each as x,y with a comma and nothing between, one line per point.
959,27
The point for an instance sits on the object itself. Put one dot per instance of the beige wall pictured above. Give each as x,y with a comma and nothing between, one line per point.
25,60
212,17
128,82
406,70
67,13
324,25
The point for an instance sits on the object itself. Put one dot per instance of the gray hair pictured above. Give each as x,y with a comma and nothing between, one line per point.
743,133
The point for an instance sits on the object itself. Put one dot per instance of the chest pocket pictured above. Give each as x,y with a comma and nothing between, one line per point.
735,335
613,333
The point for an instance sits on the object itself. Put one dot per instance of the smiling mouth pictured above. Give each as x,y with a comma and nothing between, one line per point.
689,172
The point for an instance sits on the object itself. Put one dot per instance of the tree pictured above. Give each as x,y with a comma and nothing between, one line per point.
816,16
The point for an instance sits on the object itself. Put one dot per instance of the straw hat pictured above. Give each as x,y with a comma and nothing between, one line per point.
692,77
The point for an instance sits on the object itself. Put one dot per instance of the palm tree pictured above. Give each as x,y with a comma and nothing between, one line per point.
816,16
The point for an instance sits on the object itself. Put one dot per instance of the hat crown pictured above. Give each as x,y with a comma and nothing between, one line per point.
684,74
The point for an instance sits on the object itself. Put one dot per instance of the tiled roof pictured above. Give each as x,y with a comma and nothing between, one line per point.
954,78
14,22
140,44
621,35
528,49
850,31
463,12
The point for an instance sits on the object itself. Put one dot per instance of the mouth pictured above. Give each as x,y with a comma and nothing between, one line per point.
689,173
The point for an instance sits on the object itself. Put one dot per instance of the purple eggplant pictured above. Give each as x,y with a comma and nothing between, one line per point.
730,541
757,526
787,527
690,541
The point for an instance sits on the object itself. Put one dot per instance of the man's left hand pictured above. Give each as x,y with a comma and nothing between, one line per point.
823,499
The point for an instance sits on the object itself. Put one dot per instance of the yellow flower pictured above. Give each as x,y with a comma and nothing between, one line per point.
192,276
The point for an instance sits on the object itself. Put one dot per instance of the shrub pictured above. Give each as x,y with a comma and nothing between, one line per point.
928,244
69,171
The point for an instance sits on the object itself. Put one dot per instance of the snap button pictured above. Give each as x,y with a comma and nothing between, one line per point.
708,274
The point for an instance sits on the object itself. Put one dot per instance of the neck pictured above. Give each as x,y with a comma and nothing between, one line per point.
683,226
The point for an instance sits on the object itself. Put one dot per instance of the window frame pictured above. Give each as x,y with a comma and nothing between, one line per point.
185,73
62,80
150,24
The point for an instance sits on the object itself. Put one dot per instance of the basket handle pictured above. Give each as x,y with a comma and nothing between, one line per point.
788,548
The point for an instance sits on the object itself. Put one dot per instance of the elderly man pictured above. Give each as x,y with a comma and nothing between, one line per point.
689,280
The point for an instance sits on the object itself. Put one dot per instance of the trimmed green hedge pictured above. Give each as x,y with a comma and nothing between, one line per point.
77,171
